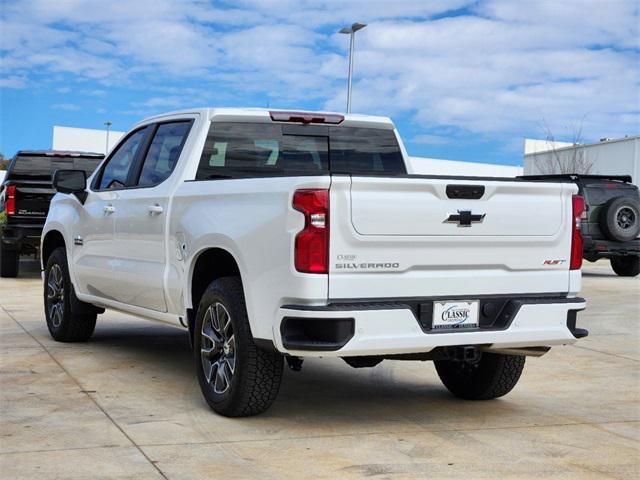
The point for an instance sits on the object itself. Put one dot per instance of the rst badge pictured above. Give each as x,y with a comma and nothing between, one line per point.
554,262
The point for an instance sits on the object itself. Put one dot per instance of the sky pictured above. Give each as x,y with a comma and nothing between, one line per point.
465,80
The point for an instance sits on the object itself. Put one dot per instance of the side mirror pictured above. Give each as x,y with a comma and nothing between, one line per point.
71,181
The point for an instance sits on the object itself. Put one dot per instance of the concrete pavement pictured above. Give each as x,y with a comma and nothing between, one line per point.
127,405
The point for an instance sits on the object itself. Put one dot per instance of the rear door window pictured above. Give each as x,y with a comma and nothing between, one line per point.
163,153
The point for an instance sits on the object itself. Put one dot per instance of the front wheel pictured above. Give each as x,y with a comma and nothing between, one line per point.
491,376
66,320
628,266
237,378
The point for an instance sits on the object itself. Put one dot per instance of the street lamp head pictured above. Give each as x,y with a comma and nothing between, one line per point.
353,28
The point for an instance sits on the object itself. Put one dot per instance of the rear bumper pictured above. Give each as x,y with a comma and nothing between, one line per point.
390,328
14,235
596,249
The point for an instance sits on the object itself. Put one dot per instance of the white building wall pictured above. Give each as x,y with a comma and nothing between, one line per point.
535,146
612,157
83,139
434,166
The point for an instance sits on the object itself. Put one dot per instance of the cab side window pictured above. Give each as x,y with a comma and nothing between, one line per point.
163,153
114,174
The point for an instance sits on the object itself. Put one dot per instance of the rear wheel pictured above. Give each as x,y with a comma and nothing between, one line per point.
9,262
68,319
237,378
628,266
491,376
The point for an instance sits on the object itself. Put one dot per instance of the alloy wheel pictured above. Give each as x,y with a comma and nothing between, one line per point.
218,348
625,218
55,295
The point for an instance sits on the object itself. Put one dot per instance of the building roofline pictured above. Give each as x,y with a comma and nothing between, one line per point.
584,145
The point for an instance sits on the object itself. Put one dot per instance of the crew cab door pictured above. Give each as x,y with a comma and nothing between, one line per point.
141,219
94,249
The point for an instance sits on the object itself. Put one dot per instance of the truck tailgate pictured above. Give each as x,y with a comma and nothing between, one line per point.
414,236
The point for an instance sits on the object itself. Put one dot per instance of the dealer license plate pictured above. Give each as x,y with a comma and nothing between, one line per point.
454,315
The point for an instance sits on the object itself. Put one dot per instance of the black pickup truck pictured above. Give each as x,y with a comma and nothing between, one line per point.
611,224
24,200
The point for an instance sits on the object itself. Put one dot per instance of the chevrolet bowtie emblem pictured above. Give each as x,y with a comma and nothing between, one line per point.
465,218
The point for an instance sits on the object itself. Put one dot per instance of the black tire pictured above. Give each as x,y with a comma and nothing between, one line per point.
68,319
628,266
255,374
620,219
492,376
9,262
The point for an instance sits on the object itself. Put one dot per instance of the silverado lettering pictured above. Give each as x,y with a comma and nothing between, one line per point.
367,265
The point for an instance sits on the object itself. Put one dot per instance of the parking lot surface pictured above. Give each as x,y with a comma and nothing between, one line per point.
127,405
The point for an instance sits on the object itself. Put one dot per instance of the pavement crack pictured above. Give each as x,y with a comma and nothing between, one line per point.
398,432
606,353
85,392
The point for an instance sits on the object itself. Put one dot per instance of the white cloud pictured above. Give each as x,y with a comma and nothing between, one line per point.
13,81
496,70
499,77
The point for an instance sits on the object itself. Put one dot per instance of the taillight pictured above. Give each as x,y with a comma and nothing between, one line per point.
10,201
576,235
312,243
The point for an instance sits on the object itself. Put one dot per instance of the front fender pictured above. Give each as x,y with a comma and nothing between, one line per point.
63,216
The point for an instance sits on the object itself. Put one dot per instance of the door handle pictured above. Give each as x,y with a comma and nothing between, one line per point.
155,209
109,209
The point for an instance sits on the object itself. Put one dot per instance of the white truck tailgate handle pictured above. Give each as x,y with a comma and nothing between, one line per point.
155,209
109,209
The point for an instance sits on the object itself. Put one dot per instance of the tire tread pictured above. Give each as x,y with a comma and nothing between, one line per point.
76,327
261,372
496,376
628,266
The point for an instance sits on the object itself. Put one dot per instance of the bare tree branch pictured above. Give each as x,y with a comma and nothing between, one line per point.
565,160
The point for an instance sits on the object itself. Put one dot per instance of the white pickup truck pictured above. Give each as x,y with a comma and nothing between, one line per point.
273,235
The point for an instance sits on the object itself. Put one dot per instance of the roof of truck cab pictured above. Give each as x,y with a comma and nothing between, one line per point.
263,115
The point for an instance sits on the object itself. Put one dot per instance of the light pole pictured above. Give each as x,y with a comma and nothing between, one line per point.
108,124
352,32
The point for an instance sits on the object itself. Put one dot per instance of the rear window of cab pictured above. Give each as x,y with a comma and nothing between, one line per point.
244,150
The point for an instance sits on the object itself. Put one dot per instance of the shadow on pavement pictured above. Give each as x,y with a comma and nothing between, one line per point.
325,389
